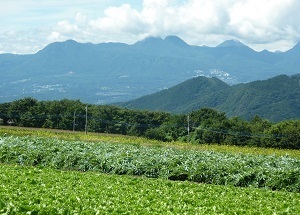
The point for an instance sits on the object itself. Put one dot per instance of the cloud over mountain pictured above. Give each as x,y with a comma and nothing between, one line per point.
261,24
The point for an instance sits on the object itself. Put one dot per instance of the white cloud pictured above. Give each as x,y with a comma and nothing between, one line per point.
271,24
260,20
255,22
54,36
123,19
81,19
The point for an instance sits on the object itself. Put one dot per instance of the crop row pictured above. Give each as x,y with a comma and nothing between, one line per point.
272,172
32,190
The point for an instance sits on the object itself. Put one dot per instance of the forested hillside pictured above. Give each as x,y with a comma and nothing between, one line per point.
115,72
177,99
274,99
199,126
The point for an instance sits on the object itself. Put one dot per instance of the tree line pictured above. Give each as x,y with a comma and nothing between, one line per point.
201,126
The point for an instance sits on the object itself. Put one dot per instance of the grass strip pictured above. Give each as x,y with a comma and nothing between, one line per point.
122,139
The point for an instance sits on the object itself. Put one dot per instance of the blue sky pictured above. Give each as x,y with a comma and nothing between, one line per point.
29,25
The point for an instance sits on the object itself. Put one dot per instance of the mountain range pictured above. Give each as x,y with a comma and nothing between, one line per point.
115,72
276,99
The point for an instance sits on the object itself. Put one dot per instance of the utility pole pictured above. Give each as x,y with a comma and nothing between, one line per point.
74,121
188,127
86,120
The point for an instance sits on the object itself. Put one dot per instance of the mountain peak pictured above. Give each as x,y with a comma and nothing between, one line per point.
297,46
295,49
149,41
70,41
231,43
175,40
158,41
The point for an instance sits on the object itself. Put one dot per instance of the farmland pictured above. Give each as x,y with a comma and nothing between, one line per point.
62,172
35,190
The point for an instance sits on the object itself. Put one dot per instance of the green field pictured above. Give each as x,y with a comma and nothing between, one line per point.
54,172
30,190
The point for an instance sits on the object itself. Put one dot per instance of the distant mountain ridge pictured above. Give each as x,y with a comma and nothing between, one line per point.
275,99
115,72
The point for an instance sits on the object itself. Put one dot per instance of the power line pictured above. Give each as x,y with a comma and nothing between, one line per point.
74,121
188,127
86,120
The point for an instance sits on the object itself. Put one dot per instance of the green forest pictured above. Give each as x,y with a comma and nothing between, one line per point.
205,125
275,99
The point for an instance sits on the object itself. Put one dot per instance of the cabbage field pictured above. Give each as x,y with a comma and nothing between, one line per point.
42,174
35,190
